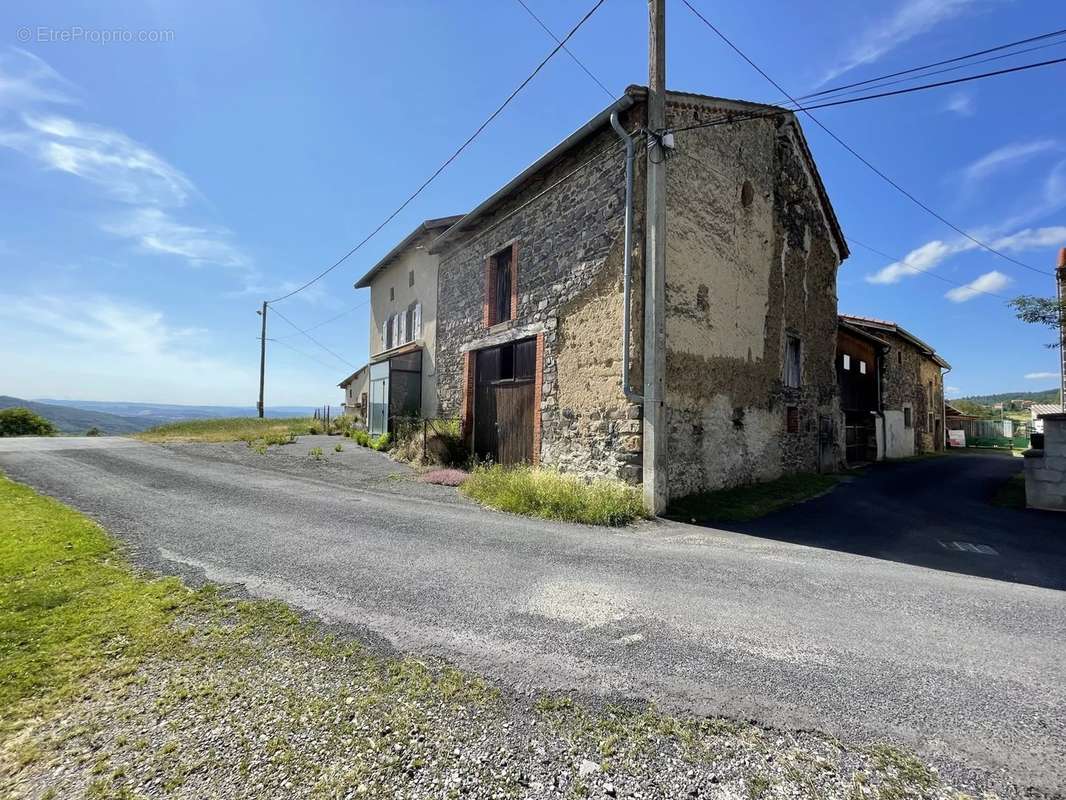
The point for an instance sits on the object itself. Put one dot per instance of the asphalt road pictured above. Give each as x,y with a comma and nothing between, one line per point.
967,669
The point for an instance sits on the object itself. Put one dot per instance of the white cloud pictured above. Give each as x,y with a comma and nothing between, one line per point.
962,103
25,80
921,259
932,254
155,231
1039,376
1002,157
122,168
990,282
104,347
912,18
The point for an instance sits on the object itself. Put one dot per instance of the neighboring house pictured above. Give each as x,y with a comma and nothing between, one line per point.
356,388
530,307
859,367
911,385
1037,410
402,375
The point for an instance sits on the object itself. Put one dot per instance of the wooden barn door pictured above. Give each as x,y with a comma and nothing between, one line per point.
503,402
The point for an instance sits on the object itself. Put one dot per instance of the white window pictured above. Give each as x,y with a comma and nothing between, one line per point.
847,361
385,335
793,362
401,338
395,325
418,321
862,367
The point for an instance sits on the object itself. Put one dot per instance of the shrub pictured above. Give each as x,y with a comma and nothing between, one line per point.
93,431
20,421
446,477
338,448
381,444
550,494
361,438
315,453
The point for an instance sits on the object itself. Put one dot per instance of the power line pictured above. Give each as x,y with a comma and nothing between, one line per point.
842,93
567,50
866,161
327,321
448,161
916,268
953,60
313,339
301,353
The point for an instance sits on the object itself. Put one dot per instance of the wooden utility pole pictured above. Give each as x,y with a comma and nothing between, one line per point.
262,359
655,492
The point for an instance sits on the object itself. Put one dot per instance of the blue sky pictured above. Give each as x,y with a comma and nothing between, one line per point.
153,192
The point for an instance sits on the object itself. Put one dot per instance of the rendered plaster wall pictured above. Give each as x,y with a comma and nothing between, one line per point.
750,260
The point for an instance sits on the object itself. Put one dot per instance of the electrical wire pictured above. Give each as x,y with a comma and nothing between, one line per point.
313,339
566,50
864,160
953,60
446,163
327,321
301,353
916,268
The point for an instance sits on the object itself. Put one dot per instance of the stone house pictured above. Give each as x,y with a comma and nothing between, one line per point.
356,394
908,416
530,305
401,377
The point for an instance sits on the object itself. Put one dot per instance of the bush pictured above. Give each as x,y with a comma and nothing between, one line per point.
550,494
338,448
315,453
93,431
381,444
361,438
446,477
23,422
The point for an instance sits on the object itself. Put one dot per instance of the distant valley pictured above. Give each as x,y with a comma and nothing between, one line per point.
115,418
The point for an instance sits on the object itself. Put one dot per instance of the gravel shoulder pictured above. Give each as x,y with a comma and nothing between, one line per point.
965,671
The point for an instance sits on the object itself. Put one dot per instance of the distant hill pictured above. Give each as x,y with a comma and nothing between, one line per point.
75,420
1045,396
148,415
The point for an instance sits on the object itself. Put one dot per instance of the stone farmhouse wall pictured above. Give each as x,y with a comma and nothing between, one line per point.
906,374
569,271
751,260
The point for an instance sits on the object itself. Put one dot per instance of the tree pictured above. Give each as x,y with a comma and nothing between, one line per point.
23,422
1040,311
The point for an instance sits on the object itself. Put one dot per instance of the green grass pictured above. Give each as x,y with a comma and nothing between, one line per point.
232,429
550,494
1011,493
745,503
68,604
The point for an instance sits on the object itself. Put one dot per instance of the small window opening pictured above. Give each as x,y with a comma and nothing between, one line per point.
792,417
392,293
507,363
793,362
747,194
501,286
862,367
411,278
907,421
847,361
899,357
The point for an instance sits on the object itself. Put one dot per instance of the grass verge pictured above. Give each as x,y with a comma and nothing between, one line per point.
1011,493
549,494
182,694
745,503
231,429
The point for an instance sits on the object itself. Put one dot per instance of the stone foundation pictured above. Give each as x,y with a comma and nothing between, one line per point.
1045,470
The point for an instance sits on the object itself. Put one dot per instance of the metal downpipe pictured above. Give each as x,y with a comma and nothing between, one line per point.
627,259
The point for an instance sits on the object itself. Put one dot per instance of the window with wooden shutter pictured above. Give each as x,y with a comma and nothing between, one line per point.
501,275
417,321
395,330
385,344
401,319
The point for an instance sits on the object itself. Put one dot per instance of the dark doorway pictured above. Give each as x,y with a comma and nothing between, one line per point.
503,402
